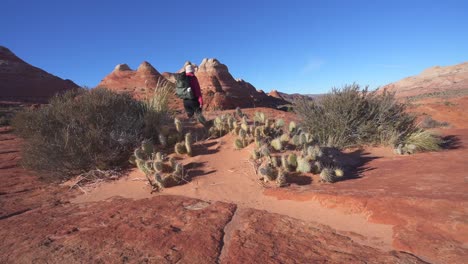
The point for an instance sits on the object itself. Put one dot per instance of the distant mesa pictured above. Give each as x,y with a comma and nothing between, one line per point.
20,81
433,80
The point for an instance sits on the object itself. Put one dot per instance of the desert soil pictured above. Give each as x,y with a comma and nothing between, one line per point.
396,209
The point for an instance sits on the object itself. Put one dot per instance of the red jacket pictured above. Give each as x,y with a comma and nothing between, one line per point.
195,87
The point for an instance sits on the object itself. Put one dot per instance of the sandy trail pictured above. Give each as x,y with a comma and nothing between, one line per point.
222,173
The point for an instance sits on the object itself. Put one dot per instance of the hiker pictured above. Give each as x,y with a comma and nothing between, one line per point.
188,89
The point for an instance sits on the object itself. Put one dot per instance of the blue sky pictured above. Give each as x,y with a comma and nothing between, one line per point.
293,46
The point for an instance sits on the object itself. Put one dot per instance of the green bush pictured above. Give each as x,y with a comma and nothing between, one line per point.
350,116
82,130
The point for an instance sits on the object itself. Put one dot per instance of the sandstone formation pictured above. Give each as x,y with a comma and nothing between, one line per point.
140,83
222,91
434,80
20,81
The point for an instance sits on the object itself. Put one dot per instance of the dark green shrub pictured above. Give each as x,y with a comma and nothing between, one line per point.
351,116
82,130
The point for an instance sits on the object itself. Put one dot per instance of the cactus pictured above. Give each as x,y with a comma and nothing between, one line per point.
139,154
188,144
172,162
147,147
268,172
281,178
284,138
303,165
158,166
179,148
274,161
292,127
276,144
295,140
302,139
264,150
178,125
238,143
339,172
292,160
327,175
255,154
279,123
158,156
142,166
178,173
259,117
284,162
159,181
239,112
245,127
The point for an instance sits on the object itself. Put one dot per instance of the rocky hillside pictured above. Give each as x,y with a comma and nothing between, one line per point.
434,80
20,81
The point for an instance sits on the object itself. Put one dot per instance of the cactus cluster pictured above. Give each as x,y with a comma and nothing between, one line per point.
185,146
272,138
160,171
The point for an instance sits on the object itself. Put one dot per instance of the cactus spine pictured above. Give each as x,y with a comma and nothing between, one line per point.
188,144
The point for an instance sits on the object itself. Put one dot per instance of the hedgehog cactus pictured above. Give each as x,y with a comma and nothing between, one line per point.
239,112
255,154
188,143
178,125
274,162
259,117
284,138
292,160
284,162
147,147
179,148
295,140
292,127
327,175
158,156
276,144
279,123
158,166
238,143
281,178
303,165
339,172
268,172
265,150
302,139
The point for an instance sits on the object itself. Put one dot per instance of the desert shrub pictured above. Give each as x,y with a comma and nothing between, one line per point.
351,116
82,130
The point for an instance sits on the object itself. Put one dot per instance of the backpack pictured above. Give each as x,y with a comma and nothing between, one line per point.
183,89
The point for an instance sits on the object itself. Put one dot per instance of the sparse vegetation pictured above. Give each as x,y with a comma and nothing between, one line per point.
84,130
350,116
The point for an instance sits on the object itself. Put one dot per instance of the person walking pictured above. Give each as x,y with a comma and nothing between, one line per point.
188,89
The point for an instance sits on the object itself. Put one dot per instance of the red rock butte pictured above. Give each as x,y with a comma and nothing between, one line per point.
140,83
20,81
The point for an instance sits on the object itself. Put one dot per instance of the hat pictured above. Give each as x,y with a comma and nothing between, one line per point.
188,68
